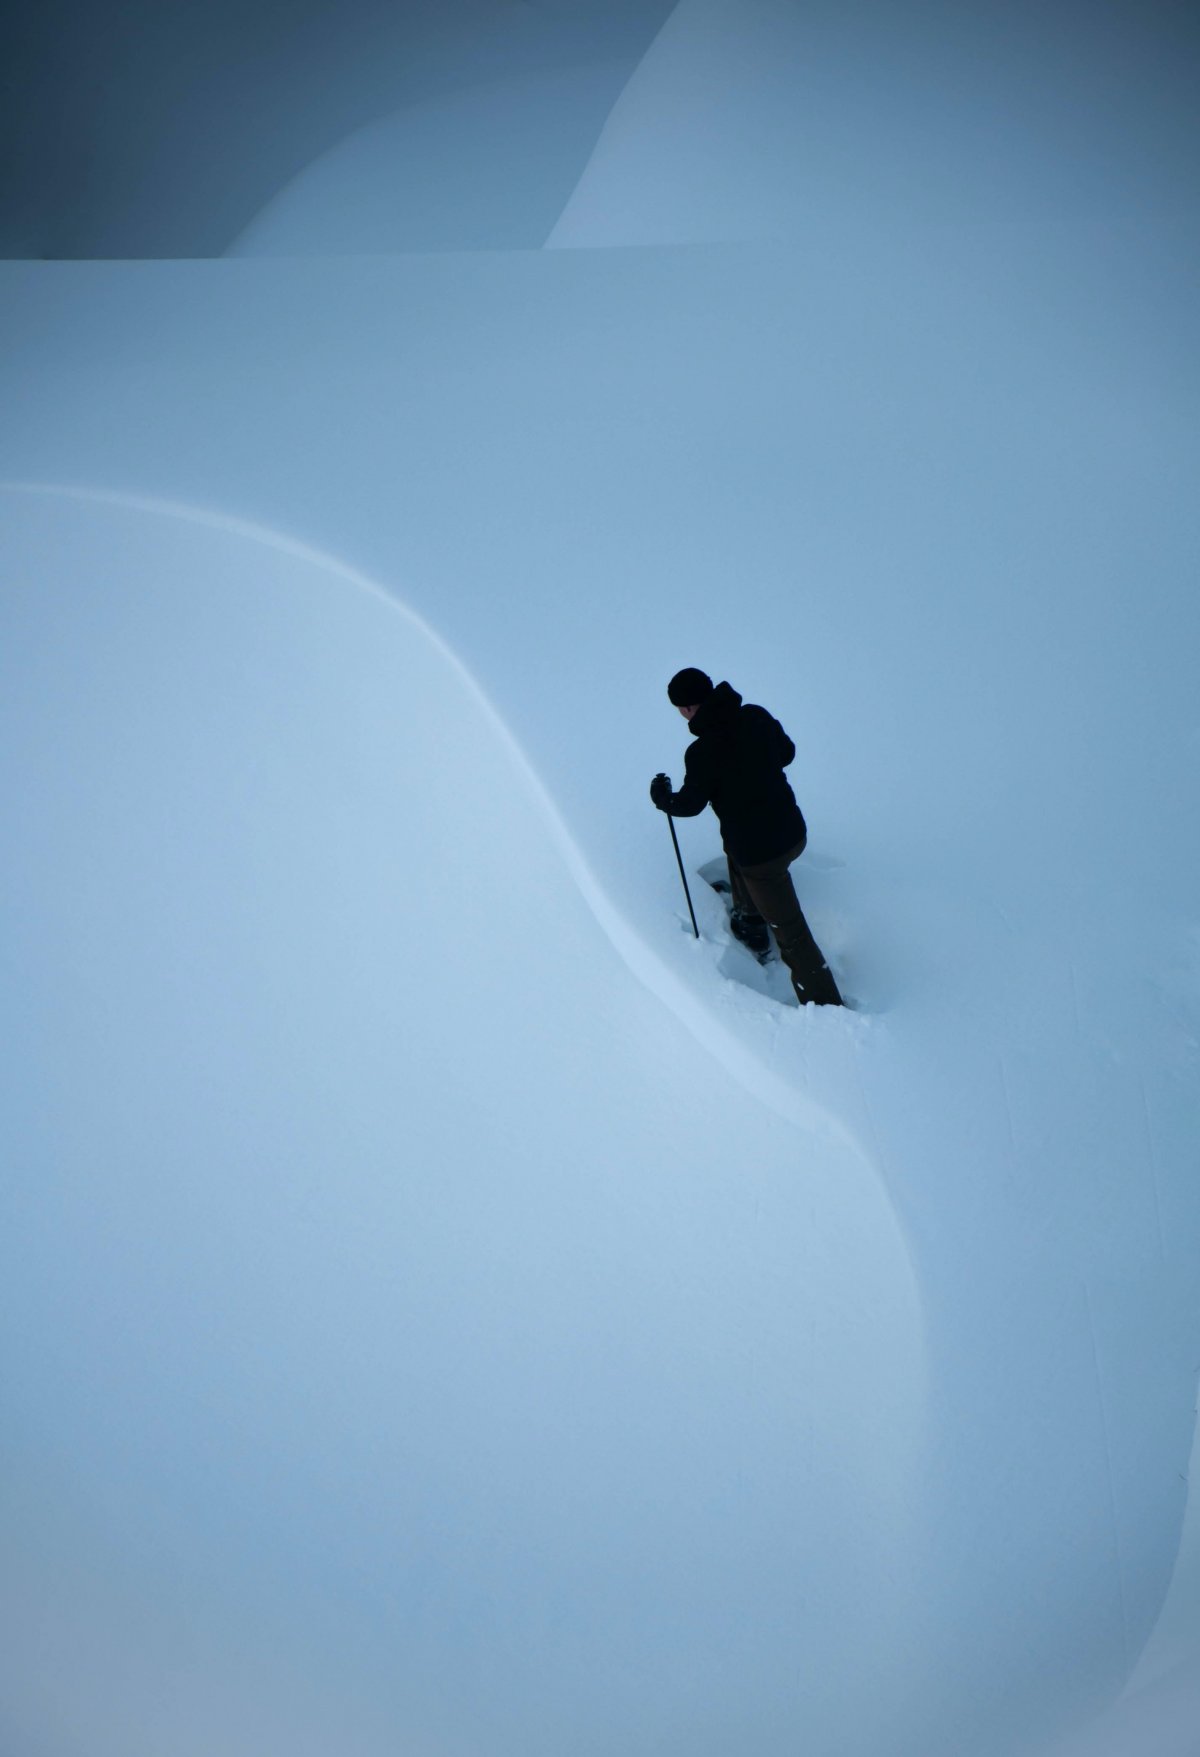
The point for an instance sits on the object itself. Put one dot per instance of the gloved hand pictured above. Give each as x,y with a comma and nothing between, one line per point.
661,791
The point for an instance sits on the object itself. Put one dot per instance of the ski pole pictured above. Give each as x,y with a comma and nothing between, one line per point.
682,874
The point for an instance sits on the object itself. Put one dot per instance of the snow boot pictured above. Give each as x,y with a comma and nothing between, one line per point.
752,931
819,990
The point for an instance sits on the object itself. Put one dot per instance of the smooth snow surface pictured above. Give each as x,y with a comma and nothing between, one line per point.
163,128
775,119
487,168
420,1295
450,1309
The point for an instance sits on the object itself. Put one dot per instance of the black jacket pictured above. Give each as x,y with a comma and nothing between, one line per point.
736,765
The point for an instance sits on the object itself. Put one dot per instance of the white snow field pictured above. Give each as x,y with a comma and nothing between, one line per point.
423,1312
449,1309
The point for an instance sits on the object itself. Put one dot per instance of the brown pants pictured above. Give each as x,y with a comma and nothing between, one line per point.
768,891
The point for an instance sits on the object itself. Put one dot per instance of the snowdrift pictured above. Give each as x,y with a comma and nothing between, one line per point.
383,1276
452,1308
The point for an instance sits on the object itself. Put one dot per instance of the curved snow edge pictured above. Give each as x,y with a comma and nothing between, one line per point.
762,1083
554,239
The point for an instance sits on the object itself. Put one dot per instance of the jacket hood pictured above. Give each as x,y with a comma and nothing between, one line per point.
716,711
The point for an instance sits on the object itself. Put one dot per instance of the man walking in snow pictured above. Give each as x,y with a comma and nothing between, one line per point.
736,765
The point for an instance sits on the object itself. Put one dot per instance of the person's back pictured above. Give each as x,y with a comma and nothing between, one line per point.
738,761
736,765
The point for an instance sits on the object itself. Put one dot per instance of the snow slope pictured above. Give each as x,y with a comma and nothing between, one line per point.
772,119
483,169
926,492
163,130
381,1276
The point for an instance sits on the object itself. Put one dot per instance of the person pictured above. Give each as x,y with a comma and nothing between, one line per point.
736,765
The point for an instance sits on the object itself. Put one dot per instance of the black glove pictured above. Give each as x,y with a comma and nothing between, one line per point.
661,791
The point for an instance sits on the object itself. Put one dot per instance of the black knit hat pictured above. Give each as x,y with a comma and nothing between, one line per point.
689,687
